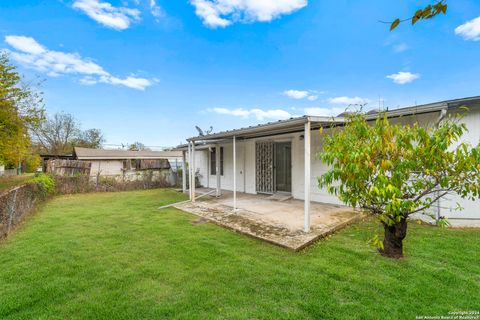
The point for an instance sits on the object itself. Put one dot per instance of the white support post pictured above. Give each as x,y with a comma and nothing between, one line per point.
307,178
234,174
193,171
184,172
217,170
244,166
190,170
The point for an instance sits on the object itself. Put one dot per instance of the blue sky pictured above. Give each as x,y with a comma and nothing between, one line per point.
149,71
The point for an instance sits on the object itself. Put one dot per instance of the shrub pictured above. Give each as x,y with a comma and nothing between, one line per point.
44,182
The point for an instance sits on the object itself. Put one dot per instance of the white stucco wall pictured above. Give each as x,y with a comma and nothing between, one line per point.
246,167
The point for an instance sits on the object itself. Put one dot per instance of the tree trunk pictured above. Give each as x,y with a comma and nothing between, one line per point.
394,235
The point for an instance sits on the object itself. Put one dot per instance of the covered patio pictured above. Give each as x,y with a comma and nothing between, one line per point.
276,219
212,141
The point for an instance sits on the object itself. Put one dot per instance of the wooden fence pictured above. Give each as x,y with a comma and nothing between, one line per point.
62,167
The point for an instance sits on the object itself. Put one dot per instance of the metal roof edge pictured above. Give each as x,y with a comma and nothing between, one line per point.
411,110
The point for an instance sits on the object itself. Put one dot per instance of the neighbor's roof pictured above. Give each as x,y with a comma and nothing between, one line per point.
297,124
105,154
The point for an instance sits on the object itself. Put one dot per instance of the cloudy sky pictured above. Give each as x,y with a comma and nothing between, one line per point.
150,70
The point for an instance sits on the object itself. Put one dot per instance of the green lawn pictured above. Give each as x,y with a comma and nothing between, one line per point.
115,256
12,181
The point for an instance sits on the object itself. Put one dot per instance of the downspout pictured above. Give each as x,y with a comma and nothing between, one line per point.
443,114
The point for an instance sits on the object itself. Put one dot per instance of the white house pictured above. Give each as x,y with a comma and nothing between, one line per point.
281,157
121,163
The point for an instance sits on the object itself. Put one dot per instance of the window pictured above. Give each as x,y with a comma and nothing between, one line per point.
213,161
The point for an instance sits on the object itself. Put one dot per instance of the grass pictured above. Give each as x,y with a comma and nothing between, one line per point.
116,256
12,181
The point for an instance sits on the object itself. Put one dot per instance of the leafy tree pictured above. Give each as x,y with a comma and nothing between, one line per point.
428,12
61,132
32,162
137,146
91,138
21,109
394,171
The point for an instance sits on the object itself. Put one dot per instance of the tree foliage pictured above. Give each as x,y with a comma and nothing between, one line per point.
137,146
428,12
21,109
393,171
91,138
61,132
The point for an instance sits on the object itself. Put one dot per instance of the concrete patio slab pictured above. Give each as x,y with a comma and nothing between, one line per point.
278,222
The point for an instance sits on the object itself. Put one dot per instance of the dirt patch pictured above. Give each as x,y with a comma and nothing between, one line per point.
200,221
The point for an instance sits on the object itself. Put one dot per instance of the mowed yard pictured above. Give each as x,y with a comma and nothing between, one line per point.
116,256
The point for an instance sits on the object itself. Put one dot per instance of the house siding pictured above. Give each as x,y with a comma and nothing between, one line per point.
106,167
471,209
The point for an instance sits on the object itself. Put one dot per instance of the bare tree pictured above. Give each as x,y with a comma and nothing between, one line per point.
91,138
60,133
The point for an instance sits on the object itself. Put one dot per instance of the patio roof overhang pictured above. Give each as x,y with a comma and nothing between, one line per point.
269,129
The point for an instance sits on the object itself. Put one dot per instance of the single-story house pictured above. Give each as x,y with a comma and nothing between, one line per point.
126,163
281,157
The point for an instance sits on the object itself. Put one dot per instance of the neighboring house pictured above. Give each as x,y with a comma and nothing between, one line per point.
281,157
125,163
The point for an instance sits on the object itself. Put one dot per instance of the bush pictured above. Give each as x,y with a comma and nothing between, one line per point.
44,182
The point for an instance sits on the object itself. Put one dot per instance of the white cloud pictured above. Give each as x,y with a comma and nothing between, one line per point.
259,114
403,77
222,13
130,81
301,94
156,10
470,30
25,44
88,81
323,112
296,94
348,100
118,18
401,47
33,55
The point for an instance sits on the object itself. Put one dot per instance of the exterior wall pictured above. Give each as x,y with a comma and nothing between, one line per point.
246,167
470,215
114,169
106,167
